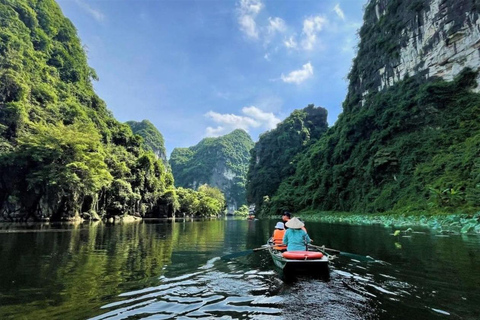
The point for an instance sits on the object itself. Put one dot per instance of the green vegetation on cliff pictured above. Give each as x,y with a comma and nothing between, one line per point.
275,154
413,147
152,138
61,151
219,162
207,201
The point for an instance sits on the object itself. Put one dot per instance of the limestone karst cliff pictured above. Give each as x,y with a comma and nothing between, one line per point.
273,157
219,162
431,38
408,139
152,138
62,153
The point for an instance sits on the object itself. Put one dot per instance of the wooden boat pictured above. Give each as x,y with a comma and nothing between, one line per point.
313,261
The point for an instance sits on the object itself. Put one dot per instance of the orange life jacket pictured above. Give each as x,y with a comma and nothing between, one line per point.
278,239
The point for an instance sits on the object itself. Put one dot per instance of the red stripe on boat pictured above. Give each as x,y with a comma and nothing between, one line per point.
302,255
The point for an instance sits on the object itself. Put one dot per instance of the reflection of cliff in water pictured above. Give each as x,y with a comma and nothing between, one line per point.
59,268
53,270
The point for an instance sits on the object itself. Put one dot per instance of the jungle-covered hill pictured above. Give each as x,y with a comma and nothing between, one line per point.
219,162
274,155
62,153
152,138
409,143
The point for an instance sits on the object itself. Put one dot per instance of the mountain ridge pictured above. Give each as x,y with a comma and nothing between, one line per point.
408,138
219,162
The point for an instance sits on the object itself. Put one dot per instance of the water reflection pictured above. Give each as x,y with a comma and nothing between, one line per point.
171,270
72,269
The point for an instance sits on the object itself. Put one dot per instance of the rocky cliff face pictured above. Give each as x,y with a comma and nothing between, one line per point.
447,42
409,137
219,162
152,138
434,38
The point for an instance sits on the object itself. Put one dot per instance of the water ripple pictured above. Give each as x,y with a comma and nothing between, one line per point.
208,293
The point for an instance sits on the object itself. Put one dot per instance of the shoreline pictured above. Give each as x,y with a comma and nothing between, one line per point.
458,223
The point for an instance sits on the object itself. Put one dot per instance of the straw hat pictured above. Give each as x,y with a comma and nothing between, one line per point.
279,225
294,223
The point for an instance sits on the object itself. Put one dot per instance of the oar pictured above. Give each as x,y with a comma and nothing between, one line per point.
244,253
261,248
342,253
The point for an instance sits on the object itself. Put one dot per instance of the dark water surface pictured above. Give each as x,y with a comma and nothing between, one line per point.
181,270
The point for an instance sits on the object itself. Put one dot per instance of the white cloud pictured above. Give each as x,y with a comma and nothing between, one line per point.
276,25
311,27
232,120
96,14
269,102
248,26
255,28
247,12
214,132
339,11
268,119
251,6
299,76
253,118
290,43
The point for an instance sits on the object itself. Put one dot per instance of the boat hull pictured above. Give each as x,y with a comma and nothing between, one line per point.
314,266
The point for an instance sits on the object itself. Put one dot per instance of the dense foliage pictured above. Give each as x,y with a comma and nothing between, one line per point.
62,153
274,155
207,201
413,147
242,211
152,138
219,162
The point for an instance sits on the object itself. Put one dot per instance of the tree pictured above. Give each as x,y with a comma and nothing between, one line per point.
57,162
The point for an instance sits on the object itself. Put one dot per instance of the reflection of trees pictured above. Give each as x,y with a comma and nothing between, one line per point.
75,272
420,255
258,232
199,235
72,273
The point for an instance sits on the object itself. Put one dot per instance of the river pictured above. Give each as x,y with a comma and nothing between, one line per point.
203,270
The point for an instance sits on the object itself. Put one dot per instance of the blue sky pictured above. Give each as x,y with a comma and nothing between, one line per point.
198,68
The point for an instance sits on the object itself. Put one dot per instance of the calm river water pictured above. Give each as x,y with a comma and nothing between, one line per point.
184,270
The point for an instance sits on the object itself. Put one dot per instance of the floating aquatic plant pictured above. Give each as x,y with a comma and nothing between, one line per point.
442,224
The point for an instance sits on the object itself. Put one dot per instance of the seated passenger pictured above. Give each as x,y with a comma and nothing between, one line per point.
277,237
295,237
